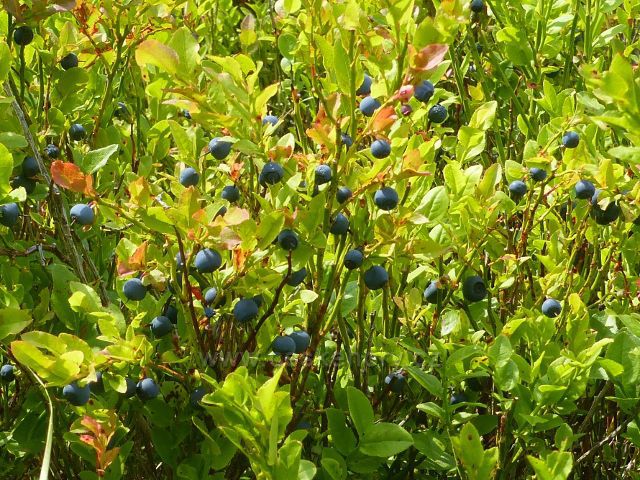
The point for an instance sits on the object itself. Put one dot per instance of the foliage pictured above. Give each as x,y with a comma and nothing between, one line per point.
473,379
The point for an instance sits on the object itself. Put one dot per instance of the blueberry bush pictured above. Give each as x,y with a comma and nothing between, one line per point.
297,239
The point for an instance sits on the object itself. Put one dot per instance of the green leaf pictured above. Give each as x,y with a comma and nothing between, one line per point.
484,115
435,204
342,67
360,410
13,321
186,47
426,380
153,52
96,159
341,435
385,440
6,167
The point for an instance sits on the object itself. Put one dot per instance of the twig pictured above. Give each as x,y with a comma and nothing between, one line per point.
56,204
603,442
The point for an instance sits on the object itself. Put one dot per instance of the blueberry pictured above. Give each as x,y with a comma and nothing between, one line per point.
376,277
131,387
396,382
270,119
386,198
69,61
380,149
147,389
29,184
432,293
323,174
288,240
343,194
517,189
186,114
52,151
303,425
75,394
209,312
210,295
179,261
82,214
207,261
189,177
353,259
369,105
301,339
457,398
160,326
340,225
230,193
271,173
219,148
30,167
477,6
570,139
437,114
424,91
77,132
258,299
283,345
406,109
604,217
245,310
537,174
365,88
23,35
98,385
585,189
473,289
347,141
551,307
121,110
7,373
196,396
297,278
9,214
171,312
134,289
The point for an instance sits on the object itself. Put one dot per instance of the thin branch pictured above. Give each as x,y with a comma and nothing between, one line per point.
56,205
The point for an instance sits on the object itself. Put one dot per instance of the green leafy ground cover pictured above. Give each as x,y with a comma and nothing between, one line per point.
319,239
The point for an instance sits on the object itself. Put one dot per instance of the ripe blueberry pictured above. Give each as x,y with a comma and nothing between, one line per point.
585,189
386,198
283,345
75,394
288,240
340,225
368,105
380,149
570,139
189,177
245,310
297,278
147,389
69,61
551,307
537,174
9,214
473,289
134,289
230,193
271,173
301,339
343,194
82,214
376,277
160,326
365,88
208,261
77,132
353,259
30,167
424,91
219,148
437,114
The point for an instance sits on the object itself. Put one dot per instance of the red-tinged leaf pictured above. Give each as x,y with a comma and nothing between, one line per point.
135,262
280,152
384,119
196,292
108,457
68,175
239,257
91,424
139,191
236,169
429,57
229,239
